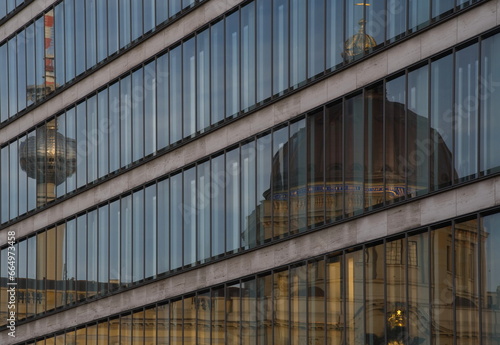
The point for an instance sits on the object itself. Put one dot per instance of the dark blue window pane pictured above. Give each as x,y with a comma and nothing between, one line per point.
189,87
176,94
113,28
280,45
102,30
203,211
81,147
124,23
114,245
150,237
126,241
137,25
21,72
217,70
264,50
316,37
232,200
247,30
103,132
298,34
232,65
91,32
114,126
203,80
162,130
125,121
4,84
12,44
150,87
80,37
137,115
149,15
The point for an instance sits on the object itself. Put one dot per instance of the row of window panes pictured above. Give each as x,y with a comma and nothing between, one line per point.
447,105
69,39
431,286
8,6
340,160
263,49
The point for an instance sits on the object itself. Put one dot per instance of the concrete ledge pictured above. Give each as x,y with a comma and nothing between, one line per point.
357,231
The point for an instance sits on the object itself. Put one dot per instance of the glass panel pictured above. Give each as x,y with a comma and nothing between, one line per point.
316,37
5,184
442,285
418,131
161,11
71,237
218,316
279,197
264,202
163,322
137,18
137,115
114,126
60,249
32,191
81,335
396,22
298,306
150,326
81,257
103,250
103,133
298,191
91,139
490,123
175,7
125,122
126,241
466,127
113,28
441,122
63,162
466,297
280,45
114,245
354,298
217,72
40,174
102,30
41,273
69,35
80,36
233,317
374,290
374,161
232,65
190,210
397,312
163,226
176,221
203,318
138,328
103,335
189,87
51,269
419,12
490,278
316,302
264,309
264,50
70,337
203,80
114,331
22,275
162,130
91,34
334,33
442,8
30,57
41,74
125,17
334,300
149,15
32,266
247,30
21,71
59,43
248,214
91,335
249,312
150,216
189,328
126,329
12,44
395,156
218,209
203,211
4,82
81,147
14,176
176,94
176,324
376,22
138,236
3,287
150,108
354,155
232,200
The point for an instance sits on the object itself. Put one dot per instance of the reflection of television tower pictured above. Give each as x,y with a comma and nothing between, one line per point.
37,92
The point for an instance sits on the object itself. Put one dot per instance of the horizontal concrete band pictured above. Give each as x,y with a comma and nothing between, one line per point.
450,204
161,40
387,62
24,16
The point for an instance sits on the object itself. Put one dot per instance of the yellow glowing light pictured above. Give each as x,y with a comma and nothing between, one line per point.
362,4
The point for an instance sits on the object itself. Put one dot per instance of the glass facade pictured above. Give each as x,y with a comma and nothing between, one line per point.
421,119
70,38
377,293
343,159
252,58
8,7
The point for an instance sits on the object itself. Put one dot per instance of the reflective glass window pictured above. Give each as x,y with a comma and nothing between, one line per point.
59,43
137,100
232,64
374,292
162,91
163,226
41,273
233,200
150,86
32,194
4,83
114,245
315,169
334,33
203,80
175,94
81,147
176,322
264,310
189,87
126,326
51,268
21,71
150,237
442,8
248,218
114,331
125,18
138,233
13,81
102,132
490,124
441,132
279,195
150,324
40,174
354,297
137,19
280,45
217,71
60,250
175,7
163,322
316,37
22,275
290,306
247,33
126,241
297,166
396,266
81,257
396,22
103,249
69,34
113,27
466,112
102,29
91,335
202,303
14,178
31,284
92,139
190,210
264,49
176,221
218,209
149,15
418,14
316,301
233,318
334,299
125,121
114,126
91,32
298,41
218,316
80,45
5,183
263,204
92,246
203,211
71,238
63,162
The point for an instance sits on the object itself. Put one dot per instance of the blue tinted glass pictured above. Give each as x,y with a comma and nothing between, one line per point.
80,37
264,50
163,226
126,240
248,72
176,94
137,115
114,126
217,72
4,174
81,147
150,86
92,139
102,30
217,203
298,49
137,25
203,210
21,72
176,221
4,84
113,29
232,65
91,32
316,37
114,245
149,15
102,134
125,121
161,11
138,236
162,119
280,45
189,209
232,200
150,237
124,23
189,87
69,35
12,44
